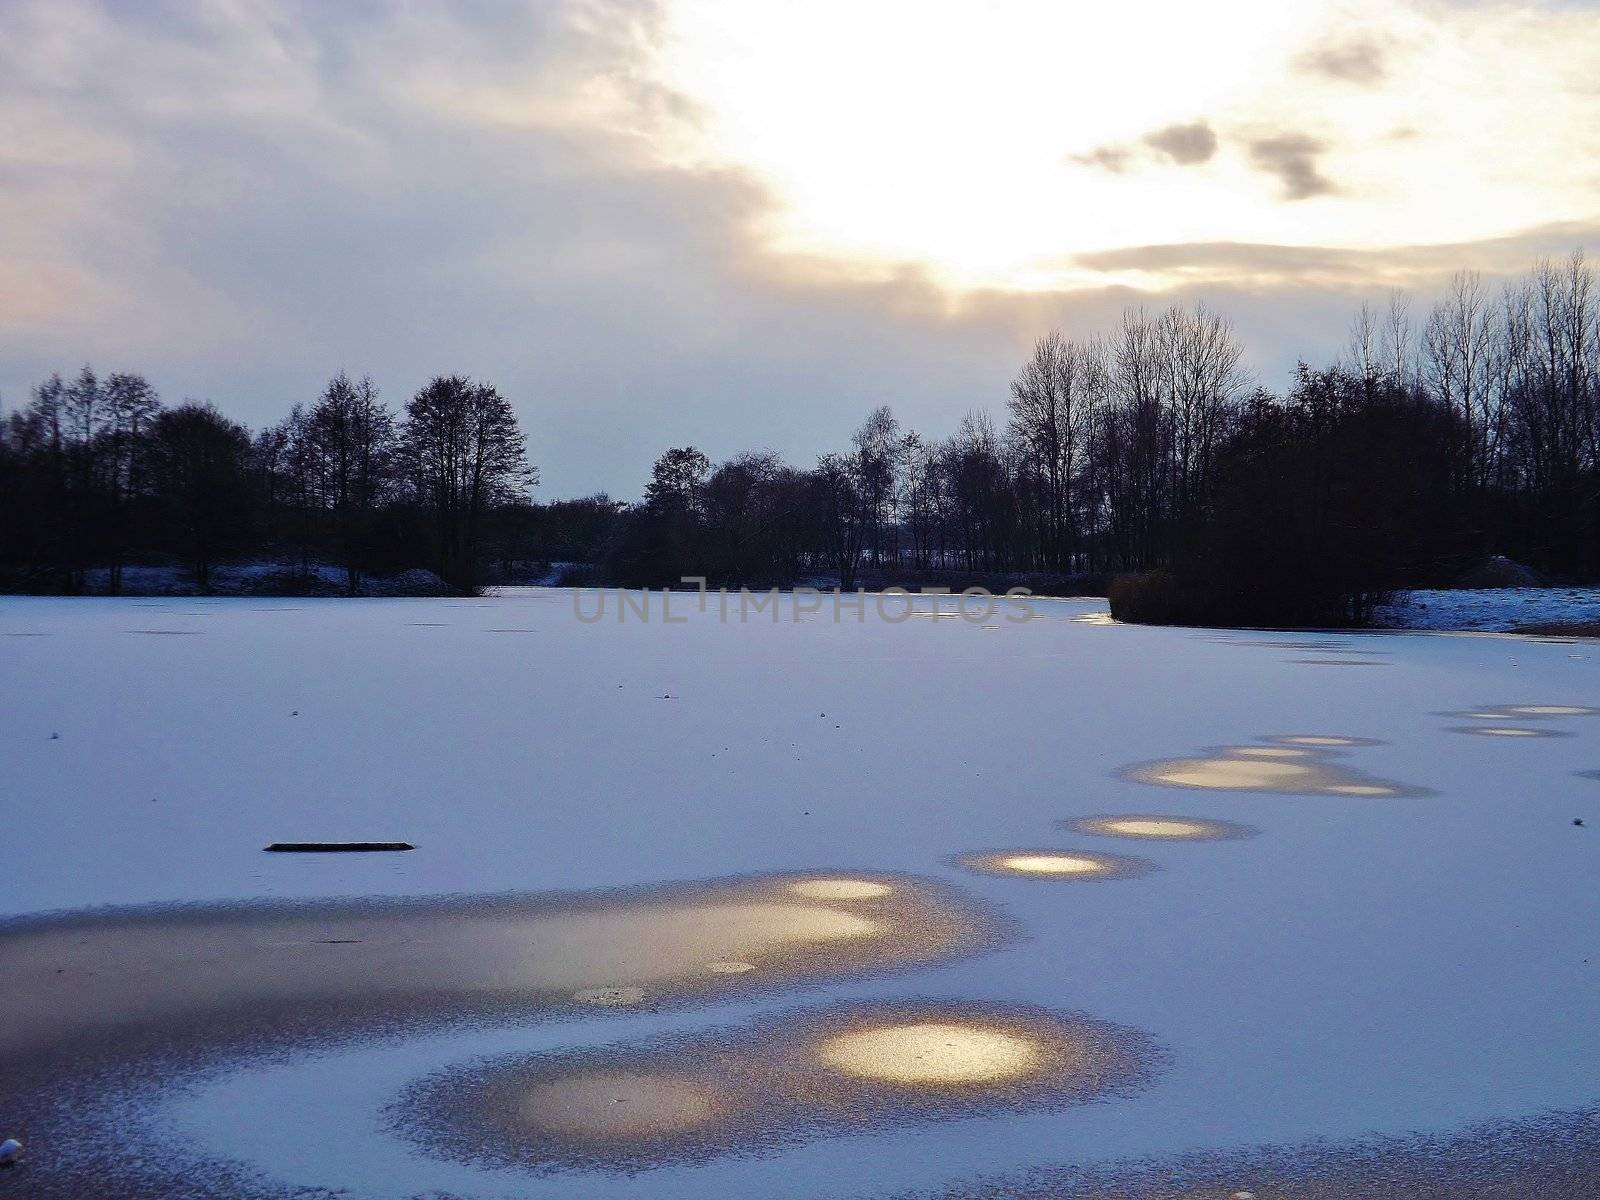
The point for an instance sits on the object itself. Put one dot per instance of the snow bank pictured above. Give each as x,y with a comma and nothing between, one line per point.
267,579
1491,609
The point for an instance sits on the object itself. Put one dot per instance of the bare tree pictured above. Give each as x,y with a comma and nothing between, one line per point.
979,498
676,480
1051,410
842,513
1204,378
919,468
130,404
196,462
1138,435
1363,350
874,460
1396,338
351,438
465,453
1458,363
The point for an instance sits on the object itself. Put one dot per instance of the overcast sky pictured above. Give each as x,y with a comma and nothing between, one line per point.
742,223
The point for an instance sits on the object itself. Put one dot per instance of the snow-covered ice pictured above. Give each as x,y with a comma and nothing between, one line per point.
1494,609
1417,957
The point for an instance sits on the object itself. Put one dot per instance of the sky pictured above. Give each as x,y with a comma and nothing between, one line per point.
742,224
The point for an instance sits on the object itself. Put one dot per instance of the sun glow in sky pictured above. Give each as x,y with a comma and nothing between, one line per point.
1020,144
741,223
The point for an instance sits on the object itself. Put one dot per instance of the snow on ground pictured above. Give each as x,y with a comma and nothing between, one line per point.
1364,964
1491,609
265,579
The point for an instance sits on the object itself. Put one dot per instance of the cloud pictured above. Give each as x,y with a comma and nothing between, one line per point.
1292,157
1362,60
1185,145
1111,158
1271,266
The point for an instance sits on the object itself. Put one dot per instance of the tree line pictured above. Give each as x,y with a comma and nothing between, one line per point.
1145,451
98,473
1429,446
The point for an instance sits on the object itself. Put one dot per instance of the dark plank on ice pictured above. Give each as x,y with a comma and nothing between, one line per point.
321,847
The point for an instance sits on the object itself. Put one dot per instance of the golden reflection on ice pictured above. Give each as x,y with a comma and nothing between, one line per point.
1152,827
840,889
1320,741
792,1077
1054,864
648,946
931,1053
1051,864
61,980
618,1105
1232,774
1296,764
1159,828
155,995
1534,712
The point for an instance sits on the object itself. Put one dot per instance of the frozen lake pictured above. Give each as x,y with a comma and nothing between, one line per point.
1277,887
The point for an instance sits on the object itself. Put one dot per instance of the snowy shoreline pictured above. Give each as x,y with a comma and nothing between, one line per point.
1491,610
1529,610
